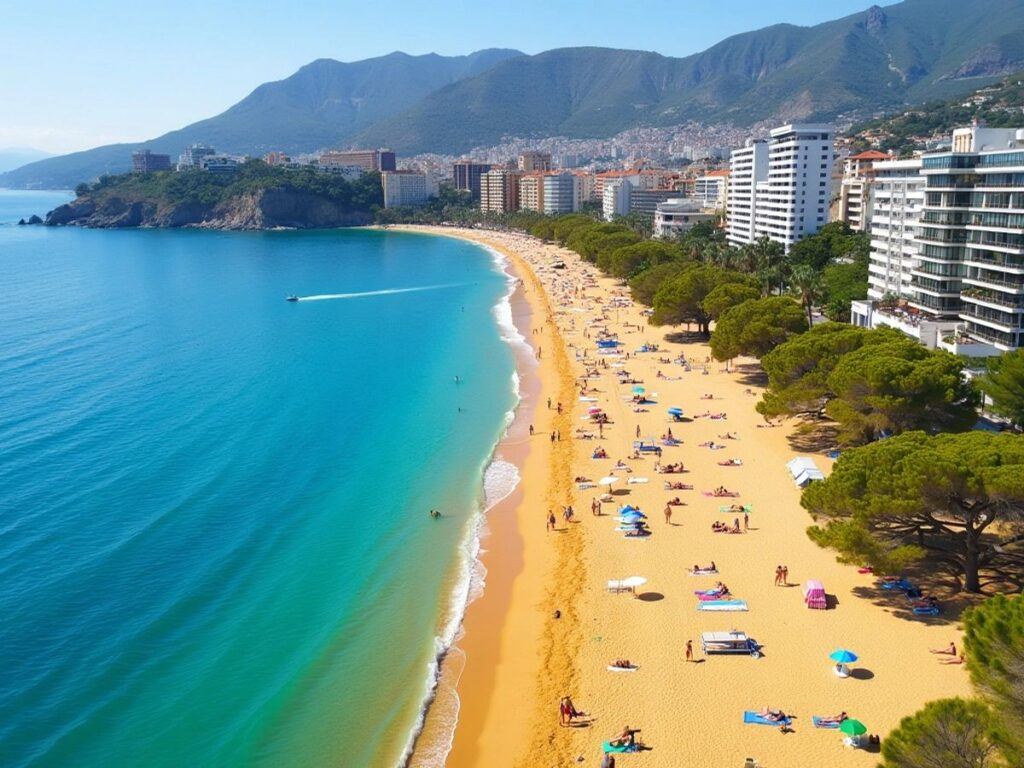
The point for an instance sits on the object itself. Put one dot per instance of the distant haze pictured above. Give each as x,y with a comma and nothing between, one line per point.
15,157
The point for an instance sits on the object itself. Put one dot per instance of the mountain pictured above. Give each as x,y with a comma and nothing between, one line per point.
997,105
322,105
879,59
15,157
882,59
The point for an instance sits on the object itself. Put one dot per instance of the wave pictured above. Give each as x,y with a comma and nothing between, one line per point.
383,292
499,481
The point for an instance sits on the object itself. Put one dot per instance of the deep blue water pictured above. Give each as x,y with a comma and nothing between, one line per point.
214,539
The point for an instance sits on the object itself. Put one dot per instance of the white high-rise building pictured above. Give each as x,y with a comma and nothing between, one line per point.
965,206
615,198
897,196
747,166
405,188
711,189
793,201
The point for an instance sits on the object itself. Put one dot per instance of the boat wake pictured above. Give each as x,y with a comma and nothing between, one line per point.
384,292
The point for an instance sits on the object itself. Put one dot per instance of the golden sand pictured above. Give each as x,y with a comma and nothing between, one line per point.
690,713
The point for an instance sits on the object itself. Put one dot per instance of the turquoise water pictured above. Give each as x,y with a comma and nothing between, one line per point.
214,539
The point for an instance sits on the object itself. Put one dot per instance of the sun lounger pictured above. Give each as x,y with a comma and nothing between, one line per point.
929,610
613,668
625,748
584,486
753,718
636,480
900,584
704,572
819,722
722,605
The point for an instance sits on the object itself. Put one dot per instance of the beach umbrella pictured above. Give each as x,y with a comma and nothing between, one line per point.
608,480
843,656
634,581
638,390
853,727
593,410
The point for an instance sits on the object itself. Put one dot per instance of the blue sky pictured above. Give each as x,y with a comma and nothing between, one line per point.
77,74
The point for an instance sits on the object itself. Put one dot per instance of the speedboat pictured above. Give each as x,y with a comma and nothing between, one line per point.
292,298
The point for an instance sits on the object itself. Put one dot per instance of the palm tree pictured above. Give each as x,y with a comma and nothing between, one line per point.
806,281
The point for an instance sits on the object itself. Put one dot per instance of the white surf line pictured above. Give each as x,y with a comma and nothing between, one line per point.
385,292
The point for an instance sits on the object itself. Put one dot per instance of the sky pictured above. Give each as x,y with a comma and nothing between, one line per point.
75,74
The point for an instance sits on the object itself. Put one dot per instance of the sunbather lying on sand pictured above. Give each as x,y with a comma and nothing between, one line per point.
627,738
949,650
622,664
833,719
775,715
677,486
728,436
958,660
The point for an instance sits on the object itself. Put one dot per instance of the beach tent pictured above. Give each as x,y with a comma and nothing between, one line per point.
804,470
814,595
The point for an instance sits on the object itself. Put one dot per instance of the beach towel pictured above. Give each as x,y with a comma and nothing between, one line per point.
626,748
726,509
820,723
613,668
722,605
703,572
753,718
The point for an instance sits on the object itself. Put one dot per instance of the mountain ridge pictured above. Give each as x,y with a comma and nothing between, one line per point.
874,61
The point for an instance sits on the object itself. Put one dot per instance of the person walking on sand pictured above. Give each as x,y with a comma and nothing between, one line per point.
552,522
531,430
559,408
689,650
668,514
778,574
549,403
638,430
552,437
785,575
746,521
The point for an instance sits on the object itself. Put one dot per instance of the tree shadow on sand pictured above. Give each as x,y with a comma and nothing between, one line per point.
814,437
932,581
750,374
686,337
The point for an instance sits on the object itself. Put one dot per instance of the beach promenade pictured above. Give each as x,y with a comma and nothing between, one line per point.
690,713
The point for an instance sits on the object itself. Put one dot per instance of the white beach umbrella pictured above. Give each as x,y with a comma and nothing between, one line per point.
634,581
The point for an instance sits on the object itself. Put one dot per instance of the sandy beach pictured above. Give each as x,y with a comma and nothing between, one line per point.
520,660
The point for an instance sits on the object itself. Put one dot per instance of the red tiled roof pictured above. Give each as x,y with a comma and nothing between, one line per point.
724,172
871,154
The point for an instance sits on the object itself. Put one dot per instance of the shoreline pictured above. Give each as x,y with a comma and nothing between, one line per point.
486,668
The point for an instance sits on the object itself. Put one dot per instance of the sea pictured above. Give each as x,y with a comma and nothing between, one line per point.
215,539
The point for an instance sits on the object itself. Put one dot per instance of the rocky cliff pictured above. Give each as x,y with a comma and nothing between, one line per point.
262,209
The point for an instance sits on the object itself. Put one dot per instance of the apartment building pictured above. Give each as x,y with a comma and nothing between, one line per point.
405,188
855,189
712,189
676,215
559,193
533,161
499,190
585,185
531,192
615,197
466,175
792,202
748,166
967,274
145,161
367,160
192,156
897,197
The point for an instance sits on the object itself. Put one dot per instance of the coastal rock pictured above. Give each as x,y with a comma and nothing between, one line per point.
263,209
33,219
22,222
875,20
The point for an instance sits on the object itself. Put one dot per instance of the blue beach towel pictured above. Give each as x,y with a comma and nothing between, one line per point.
627,748
753,718
831,725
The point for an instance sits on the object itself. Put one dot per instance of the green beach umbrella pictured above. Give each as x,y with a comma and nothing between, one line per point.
853,727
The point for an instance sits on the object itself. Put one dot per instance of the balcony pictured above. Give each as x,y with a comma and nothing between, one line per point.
992,299
1003,341
1001,321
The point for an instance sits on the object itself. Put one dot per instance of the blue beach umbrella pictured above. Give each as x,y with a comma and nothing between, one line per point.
638,390
843,656
675,411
